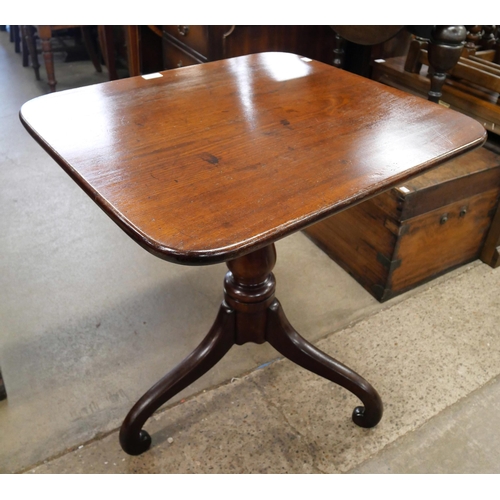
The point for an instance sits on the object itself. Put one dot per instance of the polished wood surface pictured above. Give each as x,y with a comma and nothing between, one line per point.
207,163
215,162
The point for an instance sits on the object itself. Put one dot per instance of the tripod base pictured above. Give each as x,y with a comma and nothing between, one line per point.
249,313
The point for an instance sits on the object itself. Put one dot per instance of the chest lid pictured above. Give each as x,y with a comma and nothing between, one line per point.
468,175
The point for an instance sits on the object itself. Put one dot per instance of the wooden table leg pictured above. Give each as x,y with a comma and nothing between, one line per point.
29,32
24,46
249,313
17,38
444,51
45,34
133,52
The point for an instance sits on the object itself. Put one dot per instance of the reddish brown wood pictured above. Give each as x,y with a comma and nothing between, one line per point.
133,439
45,33
216,162
466,97
413,63
107,43
133,51
186,45
409,235
249,313
445,47
48,58
167,158
283,337
473,39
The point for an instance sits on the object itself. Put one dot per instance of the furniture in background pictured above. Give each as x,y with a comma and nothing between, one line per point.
490,254
140,48
15,37
418,230
440,220
148,49
472,87
46,34
195,44
252,139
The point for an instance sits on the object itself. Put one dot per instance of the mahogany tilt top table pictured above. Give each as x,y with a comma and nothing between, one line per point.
215,162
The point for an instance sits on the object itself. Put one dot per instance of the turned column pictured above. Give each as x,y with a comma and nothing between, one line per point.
249,288
445,48
45,34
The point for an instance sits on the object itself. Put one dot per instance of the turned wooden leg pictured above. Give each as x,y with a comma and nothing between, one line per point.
17,38
133,439
45,34
31,44
444,51
338,51
282,336
24,46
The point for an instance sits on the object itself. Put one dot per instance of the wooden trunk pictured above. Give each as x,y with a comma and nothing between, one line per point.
417,231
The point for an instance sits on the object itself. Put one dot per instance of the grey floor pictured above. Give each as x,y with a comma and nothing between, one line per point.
89,321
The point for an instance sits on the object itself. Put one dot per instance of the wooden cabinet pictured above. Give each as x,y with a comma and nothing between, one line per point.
195,44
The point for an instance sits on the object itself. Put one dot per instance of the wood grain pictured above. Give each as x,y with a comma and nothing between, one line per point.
398,239
207,163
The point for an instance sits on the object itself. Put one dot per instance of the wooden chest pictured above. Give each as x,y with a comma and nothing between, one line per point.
417,231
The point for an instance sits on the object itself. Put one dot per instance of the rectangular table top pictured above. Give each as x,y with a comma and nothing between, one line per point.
209,162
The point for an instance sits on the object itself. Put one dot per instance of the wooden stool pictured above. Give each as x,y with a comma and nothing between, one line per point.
214,163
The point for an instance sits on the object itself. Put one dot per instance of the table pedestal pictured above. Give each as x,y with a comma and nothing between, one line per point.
249,313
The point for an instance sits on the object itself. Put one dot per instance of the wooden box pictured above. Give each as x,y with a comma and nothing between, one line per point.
417,231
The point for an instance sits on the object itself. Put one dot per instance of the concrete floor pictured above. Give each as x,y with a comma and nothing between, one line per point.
89,321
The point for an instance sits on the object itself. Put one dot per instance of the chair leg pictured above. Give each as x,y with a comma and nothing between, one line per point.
45,34
24,47
31,44
87,39
17,40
